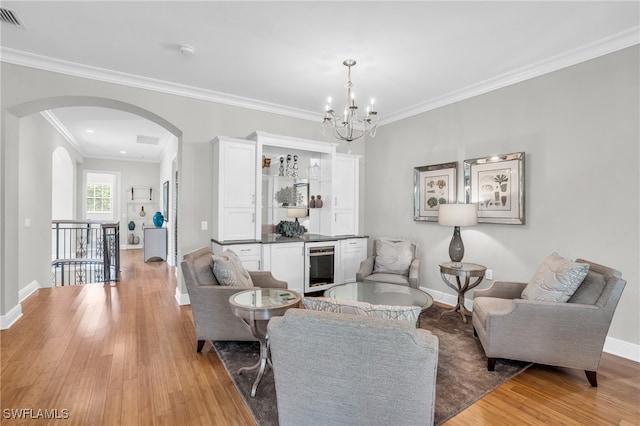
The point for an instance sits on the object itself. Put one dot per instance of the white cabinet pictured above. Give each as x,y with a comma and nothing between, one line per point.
155,244
352,252
286,262
234,190
250,254
345,194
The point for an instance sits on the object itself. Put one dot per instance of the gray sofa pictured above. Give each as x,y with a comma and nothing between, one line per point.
341,369
212,315
568,334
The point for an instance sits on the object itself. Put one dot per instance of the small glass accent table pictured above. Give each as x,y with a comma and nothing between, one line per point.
378,293
465,271
252,306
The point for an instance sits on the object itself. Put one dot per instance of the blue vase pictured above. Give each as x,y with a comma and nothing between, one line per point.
158,220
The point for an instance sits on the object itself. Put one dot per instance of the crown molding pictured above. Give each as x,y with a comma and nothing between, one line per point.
18,57
584,53
62,129
593,50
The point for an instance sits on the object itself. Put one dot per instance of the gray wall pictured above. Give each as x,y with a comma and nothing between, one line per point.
579,128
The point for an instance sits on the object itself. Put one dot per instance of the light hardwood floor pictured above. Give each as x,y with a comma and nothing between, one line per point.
125,355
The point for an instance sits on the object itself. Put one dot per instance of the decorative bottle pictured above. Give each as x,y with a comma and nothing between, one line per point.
289,169
295,167
319,202
312,202
281,169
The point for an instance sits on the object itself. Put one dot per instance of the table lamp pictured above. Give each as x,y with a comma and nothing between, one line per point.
457,215
296,212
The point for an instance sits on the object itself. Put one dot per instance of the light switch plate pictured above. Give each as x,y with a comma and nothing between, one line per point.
204,225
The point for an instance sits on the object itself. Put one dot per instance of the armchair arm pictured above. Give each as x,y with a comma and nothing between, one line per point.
264,279
414,273
502,290
366,269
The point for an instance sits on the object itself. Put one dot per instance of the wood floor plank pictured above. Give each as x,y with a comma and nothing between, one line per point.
124,354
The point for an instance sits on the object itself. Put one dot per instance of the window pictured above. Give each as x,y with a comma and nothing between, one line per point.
98,198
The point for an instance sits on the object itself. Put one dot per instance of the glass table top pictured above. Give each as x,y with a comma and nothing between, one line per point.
264,298
378,293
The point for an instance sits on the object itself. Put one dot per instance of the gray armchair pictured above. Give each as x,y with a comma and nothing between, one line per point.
339,369
212,315
380,265
568,334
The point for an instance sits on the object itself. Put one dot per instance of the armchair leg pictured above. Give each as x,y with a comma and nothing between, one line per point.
200,346
491,364
592,376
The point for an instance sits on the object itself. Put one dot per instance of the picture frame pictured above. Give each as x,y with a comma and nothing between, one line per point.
496,184
433,185
165,200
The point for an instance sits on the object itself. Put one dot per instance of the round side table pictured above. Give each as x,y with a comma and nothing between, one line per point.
462,271
252,306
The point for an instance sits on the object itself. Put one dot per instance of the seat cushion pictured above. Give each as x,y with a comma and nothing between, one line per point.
388,278
555,280
404,313
393,257
228,270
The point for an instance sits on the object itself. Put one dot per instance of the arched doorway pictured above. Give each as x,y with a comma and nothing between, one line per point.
13,285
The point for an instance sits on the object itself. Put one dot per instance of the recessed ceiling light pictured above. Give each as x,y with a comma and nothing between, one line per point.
123,152
90,131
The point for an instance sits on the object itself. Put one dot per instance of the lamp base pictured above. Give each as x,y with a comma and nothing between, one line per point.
456,247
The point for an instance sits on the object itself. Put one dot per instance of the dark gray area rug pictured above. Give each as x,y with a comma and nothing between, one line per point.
462,369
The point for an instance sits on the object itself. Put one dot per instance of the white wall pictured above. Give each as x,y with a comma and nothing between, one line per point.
579,128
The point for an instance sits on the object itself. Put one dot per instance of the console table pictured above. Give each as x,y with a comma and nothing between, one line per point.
462,271
155,244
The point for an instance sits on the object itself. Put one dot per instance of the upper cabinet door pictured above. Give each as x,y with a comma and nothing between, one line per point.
345,185
239,166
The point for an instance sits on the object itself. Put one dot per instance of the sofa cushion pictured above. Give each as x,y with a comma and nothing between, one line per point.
228,270
405,313
555,280
388,278
393,257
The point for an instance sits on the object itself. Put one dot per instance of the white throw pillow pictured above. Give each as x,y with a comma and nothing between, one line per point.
392,257
404,313
228,270
556,280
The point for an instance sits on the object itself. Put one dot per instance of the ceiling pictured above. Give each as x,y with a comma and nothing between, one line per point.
286,57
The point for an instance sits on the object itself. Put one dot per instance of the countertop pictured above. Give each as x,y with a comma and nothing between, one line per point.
274,239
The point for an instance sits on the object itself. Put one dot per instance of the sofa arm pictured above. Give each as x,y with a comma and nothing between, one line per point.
502,290
264,279
414,274
366,269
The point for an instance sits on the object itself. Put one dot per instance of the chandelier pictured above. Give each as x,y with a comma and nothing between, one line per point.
348,126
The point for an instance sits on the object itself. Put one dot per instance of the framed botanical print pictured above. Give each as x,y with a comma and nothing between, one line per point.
496,185
433,185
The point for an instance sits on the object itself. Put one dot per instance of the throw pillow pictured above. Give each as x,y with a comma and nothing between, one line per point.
555,280
405,313
228,270
392,257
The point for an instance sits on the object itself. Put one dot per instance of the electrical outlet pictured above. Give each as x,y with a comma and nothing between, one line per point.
488,274
203,225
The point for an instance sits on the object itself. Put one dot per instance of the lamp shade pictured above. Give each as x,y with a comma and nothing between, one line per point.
458,214
297,212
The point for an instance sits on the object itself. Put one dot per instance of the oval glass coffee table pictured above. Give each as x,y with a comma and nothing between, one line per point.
378,293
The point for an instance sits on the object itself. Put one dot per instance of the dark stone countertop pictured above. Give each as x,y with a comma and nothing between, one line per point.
274,239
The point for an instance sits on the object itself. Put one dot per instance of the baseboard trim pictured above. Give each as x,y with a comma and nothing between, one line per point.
28,290
182,298
8,319
612,346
